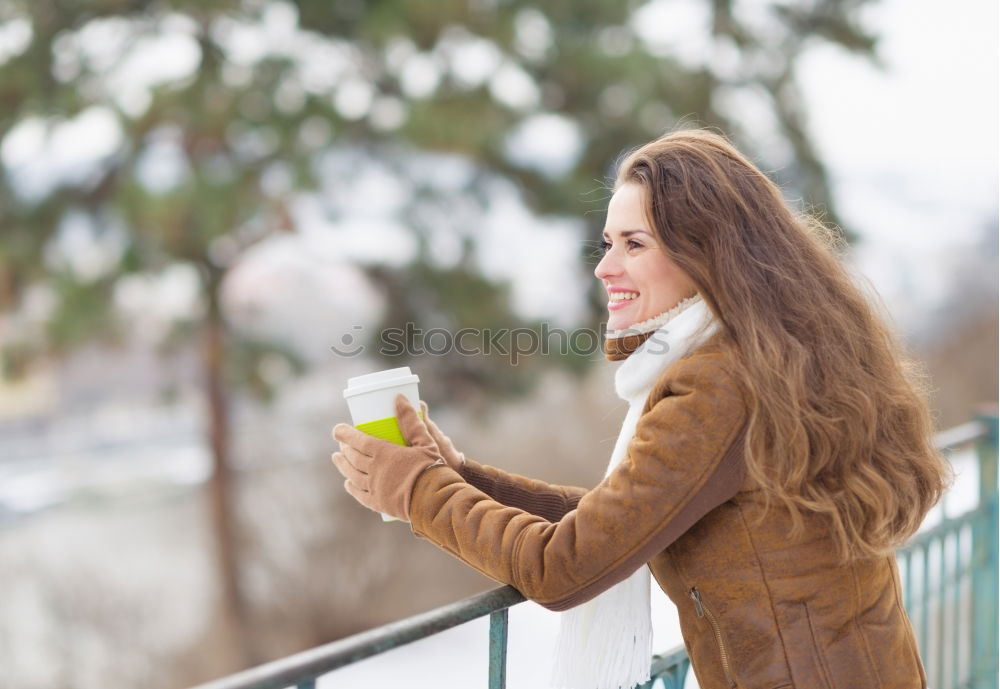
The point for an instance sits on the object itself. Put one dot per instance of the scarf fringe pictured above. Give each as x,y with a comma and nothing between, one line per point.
615,635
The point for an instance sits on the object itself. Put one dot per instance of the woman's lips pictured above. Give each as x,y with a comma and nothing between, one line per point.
617,304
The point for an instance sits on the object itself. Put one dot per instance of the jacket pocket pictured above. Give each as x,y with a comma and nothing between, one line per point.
807,663
820,660
704,612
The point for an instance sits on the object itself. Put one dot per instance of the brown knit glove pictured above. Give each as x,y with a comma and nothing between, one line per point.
379,474
452,457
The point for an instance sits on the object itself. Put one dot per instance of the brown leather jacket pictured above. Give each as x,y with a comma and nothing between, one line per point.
758,608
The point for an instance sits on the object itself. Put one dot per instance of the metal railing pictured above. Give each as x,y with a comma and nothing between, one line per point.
949,576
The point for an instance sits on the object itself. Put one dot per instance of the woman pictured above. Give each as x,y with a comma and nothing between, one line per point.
775,451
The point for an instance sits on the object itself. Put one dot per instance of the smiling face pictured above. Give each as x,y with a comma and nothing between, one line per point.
641,281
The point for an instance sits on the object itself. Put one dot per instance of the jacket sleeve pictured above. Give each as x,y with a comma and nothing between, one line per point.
545,500
685,460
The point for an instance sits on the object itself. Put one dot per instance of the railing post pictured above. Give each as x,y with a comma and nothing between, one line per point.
984,555
498,649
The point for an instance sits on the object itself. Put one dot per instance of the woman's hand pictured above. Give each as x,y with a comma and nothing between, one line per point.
452,457
379,474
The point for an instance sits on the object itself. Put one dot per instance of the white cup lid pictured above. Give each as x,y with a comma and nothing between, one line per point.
370,382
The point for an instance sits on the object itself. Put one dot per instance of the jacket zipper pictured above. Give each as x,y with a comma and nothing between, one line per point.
703,611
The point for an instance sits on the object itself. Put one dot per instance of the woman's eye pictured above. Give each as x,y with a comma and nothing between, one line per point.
604,246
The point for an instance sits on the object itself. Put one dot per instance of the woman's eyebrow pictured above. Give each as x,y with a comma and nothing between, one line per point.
629,233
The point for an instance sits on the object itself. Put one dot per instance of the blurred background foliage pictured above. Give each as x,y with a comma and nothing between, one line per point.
212,123
212,149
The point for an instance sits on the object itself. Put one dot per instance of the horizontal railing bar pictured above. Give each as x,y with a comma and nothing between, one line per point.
941,529
956,437
314,662
662,664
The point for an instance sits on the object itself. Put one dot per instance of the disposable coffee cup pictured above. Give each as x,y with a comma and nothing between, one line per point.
371,399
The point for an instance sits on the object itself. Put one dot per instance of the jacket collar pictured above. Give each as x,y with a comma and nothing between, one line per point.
618,348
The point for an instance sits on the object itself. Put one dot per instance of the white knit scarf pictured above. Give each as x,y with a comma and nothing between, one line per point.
606,643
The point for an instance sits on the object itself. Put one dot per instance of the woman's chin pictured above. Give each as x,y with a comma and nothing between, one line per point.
619,321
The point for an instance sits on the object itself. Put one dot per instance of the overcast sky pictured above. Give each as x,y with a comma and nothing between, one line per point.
913,147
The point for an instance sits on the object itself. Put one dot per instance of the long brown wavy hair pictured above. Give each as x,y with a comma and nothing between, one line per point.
838,419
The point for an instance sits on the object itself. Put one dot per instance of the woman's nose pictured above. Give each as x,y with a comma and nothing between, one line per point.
607,267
